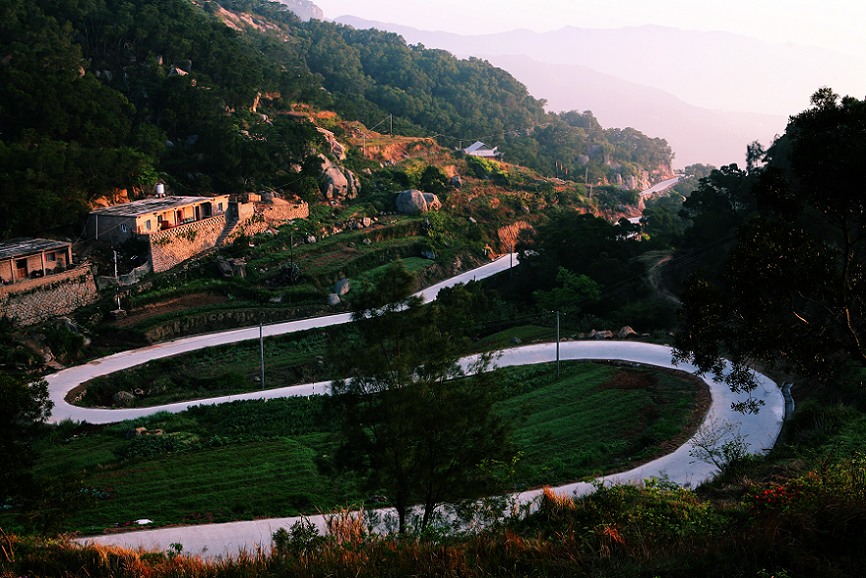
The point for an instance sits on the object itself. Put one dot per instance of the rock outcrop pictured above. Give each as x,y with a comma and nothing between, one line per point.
304,9
337,148
336,183
414,202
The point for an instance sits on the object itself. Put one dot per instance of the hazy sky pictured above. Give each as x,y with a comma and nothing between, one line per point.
834,24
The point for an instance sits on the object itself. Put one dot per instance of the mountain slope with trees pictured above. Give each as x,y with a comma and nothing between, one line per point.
100,96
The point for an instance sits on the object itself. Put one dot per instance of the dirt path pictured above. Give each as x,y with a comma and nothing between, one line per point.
654,275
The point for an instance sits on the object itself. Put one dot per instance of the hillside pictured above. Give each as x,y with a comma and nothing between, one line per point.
199,96
670,87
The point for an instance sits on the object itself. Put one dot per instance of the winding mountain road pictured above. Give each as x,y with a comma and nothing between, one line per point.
225,540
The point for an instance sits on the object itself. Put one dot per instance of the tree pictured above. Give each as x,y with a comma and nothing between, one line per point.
793,290
417,425
433,180
570,293
23,407
661,220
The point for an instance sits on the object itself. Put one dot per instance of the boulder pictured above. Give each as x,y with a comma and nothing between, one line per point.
342,286
229,268
336,183
123,398
414,202
625,332
333,299
599,335
135,432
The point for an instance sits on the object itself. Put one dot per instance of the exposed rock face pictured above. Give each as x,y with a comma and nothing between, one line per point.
508,235
337,149
304,9
337,183
413,202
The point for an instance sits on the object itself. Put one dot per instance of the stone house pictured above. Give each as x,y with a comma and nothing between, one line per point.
38,280
22,259
118,223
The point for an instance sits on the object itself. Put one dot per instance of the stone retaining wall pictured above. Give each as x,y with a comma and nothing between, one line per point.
36,300
174,246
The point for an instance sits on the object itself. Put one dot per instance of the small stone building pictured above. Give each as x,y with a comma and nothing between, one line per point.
22,259
118,223
39,280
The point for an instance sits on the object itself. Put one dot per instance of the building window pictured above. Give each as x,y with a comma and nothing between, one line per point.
220,207
147,224
123,227
50,257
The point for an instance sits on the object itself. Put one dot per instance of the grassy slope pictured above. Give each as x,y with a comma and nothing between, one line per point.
251,459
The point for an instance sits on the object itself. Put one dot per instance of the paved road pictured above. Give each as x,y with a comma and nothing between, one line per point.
60,383
760,432
659,187
656,188
220,540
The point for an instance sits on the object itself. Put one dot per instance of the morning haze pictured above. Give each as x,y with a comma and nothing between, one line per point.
709,94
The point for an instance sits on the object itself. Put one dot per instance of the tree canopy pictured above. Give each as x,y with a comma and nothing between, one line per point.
418,425
23,406
792,292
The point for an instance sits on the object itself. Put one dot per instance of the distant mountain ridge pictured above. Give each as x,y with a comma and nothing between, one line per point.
697,135
707,71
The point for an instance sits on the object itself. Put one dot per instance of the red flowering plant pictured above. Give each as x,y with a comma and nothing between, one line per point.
776,497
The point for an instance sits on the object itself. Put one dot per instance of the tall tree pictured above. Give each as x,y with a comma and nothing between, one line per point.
23,407
417,424
793,291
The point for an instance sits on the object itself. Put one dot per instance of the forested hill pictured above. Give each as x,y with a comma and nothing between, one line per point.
103,94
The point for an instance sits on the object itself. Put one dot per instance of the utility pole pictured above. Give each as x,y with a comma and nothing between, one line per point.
557,344
262,355
116,282
391,118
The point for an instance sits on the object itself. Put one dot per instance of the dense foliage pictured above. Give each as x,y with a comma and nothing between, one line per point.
592,270
23,407
790,293
417,426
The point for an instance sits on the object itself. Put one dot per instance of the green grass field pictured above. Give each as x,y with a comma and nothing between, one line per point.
222,370
274,458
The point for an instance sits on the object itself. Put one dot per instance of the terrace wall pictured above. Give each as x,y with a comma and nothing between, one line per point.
174,246
35,300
